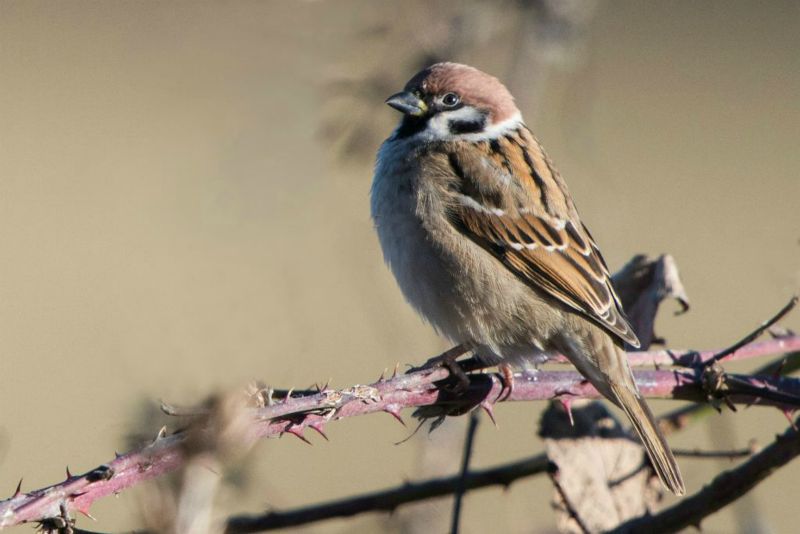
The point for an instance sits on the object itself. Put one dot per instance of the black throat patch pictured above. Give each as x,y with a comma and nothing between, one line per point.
412,126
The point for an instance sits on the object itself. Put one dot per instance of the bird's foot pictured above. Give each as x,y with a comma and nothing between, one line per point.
458,381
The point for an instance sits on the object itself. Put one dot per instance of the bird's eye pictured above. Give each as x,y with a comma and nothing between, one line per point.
450,100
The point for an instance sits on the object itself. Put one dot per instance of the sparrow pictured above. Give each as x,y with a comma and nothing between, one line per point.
485,242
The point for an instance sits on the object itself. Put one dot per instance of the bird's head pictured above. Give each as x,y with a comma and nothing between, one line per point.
450,100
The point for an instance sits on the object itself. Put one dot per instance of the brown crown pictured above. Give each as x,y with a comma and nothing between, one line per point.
475,88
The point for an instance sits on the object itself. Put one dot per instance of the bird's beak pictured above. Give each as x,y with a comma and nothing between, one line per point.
408,103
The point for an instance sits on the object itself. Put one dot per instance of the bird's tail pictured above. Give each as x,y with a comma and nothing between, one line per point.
643,421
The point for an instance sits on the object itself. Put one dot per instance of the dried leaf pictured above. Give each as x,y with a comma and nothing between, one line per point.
601,473
642,285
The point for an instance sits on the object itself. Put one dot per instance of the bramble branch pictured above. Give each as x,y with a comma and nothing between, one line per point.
300,411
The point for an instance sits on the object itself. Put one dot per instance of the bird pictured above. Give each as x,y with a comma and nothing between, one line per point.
485,242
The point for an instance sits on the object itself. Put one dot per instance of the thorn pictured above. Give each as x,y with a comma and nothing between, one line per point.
566,402
489,409
288,395
394,411
319,427
382,378
789,413
317,387
297,431
69,475
779,370
117,455
396,370
85,511
162,433
18,491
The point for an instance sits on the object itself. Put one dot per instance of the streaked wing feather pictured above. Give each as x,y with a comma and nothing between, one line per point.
553,252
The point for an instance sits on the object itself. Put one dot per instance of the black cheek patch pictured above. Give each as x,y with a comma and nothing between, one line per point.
457,127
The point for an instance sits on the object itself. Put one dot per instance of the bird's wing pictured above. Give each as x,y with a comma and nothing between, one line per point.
508,198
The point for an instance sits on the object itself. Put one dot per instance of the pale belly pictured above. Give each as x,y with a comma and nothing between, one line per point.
457,287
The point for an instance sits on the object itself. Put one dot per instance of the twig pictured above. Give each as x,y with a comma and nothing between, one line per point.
730,455
724,489
754,334
573,513
389,500
461,488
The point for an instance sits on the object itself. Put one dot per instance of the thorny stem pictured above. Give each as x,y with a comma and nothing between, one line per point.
682,417
295,414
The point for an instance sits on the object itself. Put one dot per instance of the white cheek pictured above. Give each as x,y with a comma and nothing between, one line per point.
439,124
438,127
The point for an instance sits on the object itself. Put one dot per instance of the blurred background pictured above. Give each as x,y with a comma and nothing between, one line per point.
184,208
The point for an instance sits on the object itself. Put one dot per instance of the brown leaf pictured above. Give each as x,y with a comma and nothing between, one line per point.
642,284
601,474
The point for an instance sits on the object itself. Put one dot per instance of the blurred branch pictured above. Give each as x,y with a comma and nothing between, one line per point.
461,488
723,490
389,500
730,455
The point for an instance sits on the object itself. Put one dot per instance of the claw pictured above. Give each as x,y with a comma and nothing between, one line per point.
507,377
69,475
18,491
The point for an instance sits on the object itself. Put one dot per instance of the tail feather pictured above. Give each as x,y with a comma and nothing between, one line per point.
643,421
